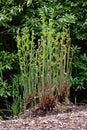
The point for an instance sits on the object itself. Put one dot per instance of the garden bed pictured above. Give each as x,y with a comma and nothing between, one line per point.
62,117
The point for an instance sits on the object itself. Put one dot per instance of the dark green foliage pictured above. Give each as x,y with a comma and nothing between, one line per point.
79,73
8,67
7,62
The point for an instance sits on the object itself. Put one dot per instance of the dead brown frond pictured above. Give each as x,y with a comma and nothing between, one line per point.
48,102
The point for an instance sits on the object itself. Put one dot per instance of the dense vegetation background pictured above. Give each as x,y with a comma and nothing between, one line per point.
14,14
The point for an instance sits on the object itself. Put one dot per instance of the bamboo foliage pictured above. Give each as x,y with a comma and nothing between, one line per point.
49,65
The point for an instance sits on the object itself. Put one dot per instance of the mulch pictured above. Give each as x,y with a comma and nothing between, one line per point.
63,117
